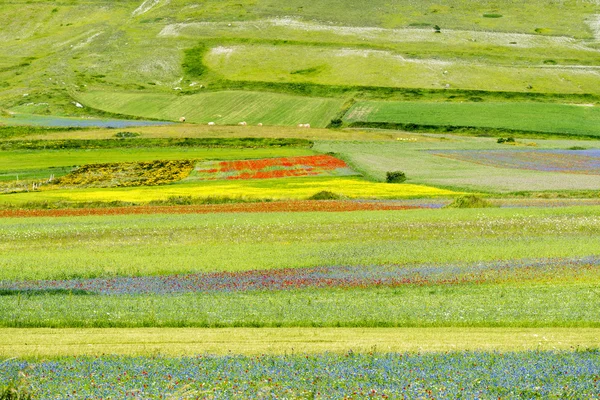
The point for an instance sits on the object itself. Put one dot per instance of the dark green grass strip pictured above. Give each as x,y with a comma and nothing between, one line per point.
570,304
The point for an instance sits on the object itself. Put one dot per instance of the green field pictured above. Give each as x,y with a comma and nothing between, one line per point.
549,118
227,108
80,247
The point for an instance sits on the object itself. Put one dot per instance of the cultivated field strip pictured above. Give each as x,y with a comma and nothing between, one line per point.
45,343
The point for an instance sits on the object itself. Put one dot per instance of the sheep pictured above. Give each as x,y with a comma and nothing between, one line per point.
304,126
260,124
182,119
243,123
211,124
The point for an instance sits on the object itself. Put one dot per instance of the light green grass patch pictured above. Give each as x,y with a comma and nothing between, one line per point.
367,67
220,107
50,343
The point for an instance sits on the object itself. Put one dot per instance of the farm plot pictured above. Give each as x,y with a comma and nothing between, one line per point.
551,172
228,108
322,165
529,117
293,188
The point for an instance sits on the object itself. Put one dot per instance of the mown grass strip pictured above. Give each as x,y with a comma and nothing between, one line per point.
43,342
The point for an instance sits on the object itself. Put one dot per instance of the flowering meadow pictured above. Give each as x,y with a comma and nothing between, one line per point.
482,375
321,277
267,168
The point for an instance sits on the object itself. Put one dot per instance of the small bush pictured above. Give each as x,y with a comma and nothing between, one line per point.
506,140
336,123
470,201
125,135
492,15
325,195
577,148
395,177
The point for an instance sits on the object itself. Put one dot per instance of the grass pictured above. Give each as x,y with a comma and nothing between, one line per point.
83,247
514,305
51,343
341,66
549,118
228,108
259,189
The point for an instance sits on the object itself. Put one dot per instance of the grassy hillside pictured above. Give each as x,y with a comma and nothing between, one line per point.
51,58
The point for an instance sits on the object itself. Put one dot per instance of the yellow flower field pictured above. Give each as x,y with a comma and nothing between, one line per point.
288,188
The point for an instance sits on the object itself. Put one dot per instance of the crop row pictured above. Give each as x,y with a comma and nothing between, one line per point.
532,374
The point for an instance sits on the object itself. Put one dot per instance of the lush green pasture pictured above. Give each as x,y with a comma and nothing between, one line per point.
23,160
50,343
367,67
494,305
219,107
78,247
550,118
375,158
250,189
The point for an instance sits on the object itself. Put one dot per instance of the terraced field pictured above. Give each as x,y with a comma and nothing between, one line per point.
227,108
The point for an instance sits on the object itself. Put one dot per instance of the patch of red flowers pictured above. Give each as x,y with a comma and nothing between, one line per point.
267,168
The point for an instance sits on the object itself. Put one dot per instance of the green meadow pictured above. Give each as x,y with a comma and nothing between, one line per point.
105,246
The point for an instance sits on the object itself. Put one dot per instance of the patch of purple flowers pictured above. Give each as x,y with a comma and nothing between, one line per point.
317,277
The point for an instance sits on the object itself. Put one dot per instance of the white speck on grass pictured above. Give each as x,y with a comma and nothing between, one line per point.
87,41
222,51
594,24
146,6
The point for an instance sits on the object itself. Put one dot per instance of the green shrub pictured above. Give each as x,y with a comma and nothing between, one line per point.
577,148
125,135
492,15
325,195
336,123
470,201
395,177
506,140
